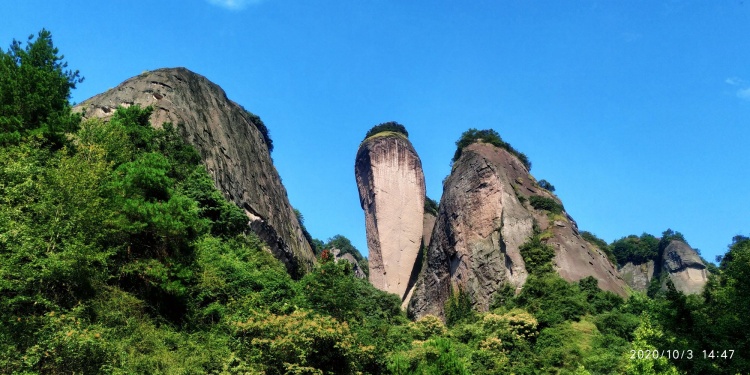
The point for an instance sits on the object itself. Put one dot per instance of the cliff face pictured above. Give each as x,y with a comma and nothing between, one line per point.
391,192
484,217
232,148
638,276
684,267
678,262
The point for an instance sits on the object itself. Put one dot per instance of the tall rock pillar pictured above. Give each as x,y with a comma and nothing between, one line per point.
392,194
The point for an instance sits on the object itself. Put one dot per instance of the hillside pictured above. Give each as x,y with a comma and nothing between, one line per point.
233,144
125,249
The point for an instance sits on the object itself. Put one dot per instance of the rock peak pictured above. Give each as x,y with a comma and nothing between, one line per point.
392,194
233,144
485,214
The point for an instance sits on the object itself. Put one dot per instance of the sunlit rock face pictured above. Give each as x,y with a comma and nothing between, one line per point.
392,194
483,219
231,146
679,263
684,267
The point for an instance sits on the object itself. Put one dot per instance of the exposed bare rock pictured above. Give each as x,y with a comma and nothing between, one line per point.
230,144
484,217
391,192
638,276
428,225
678,262
684,267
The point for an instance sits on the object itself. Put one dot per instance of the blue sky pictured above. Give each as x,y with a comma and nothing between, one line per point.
638,112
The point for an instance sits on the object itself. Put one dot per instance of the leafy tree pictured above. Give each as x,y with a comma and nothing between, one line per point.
458,307
544,184
544,203
537,255
34,90
635,249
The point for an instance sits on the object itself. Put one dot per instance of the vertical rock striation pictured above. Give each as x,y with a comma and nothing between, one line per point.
484,217
232,144
392,193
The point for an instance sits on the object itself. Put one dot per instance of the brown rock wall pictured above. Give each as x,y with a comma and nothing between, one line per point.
230,144
392,192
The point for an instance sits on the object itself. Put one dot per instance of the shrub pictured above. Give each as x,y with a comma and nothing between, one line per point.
390,126
458,308
537,255
544,184
488,136
635,249
544,203
255,120
430,206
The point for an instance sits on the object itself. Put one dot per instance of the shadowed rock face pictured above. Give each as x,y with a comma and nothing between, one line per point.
484,217
230,144
638,276
391,192
679,262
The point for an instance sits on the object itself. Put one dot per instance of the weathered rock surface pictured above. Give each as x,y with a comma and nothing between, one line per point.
483,219
684,267
427,227
638,276
678,262
391,192
230,144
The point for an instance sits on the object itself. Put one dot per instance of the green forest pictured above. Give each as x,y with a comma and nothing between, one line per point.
119,256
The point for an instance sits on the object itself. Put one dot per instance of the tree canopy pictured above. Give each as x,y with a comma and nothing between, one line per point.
35,87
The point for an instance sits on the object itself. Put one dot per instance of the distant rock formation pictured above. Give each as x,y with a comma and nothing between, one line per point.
347,257
678,262
484,217
638,276
392,193
684,267
231,144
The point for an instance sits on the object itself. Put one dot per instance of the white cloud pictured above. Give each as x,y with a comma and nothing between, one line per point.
734,81
234,4
744,93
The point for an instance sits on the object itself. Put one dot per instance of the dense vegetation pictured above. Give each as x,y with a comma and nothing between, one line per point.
390,126
544,203
118,255
488,136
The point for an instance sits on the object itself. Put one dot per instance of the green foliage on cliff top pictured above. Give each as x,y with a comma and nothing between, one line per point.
390,126
488,136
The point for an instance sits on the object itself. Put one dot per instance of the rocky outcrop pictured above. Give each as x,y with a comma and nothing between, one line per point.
638,276
391,192
347,257
233,147
484,217
684,267
678,262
